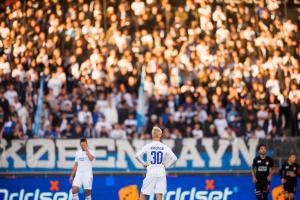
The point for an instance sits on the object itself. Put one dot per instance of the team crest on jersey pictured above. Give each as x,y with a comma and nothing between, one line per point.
294,168
267,163
286,167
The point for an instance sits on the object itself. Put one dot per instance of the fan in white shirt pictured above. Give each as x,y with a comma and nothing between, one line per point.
10,94
111,113
259,133
117,133
221,124
55,84
262,115
85,115
102,126
197,132
4,65
138,7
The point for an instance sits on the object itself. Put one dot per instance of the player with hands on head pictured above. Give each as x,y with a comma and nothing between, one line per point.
83,171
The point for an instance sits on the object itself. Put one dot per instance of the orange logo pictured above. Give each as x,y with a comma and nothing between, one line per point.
54,185
210,184
278,193
129,193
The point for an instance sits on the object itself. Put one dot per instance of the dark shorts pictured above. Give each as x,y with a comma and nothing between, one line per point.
262,186
289,187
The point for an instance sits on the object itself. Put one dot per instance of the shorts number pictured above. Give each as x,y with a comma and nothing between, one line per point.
157,157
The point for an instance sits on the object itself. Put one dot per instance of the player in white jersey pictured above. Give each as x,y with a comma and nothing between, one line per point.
159,157
83,170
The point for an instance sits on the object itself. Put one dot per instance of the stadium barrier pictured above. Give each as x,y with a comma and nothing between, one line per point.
207,155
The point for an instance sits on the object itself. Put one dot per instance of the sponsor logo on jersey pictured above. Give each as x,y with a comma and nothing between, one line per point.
262,169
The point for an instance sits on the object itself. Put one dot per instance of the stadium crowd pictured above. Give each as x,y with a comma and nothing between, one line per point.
212,70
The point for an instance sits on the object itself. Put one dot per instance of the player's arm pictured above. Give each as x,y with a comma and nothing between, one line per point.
73,172
282,174
90,155
139,156
172,159
272,170
253,171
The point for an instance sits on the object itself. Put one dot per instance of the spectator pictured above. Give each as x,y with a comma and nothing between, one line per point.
78,133
176,134
8,130
103,128
85,115
221,124
130,123
197,132
259,133
111,113
10,94
193,65
68,132
117,132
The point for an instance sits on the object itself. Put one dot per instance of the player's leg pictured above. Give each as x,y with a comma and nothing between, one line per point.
159,196
291,192
291,196
87,185
285,192
148,187
77,182
142,196
75,193
160,187
258,191
87,194
265,191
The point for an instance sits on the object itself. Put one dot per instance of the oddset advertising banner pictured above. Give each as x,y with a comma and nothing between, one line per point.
122,187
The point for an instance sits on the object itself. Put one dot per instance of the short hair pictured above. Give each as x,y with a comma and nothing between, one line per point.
83,140
156,131
292,154
261,145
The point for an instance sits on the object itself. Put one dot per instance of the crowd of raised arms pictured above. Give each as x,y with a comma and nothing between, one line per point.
212,70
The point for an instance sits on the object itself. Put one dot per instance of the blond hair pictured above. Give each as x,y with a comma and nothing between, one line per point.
156,132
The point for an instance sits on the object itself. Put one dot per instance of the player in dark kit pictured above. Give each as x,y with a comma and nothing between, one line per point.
262,172
288,172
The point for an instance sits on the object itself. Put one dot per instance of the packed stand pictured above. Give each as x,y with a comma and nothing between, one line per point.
212,70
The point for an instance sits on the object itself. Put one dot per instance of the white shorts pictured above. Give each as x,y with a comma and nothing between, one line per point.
154,185
84,180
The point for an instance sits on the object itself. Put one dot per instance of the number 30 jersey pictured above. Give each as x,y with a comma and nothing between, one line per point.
159,156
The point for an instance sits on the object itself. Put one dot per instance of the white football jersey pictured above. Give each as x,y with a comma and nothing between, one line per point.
159,156
84,164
